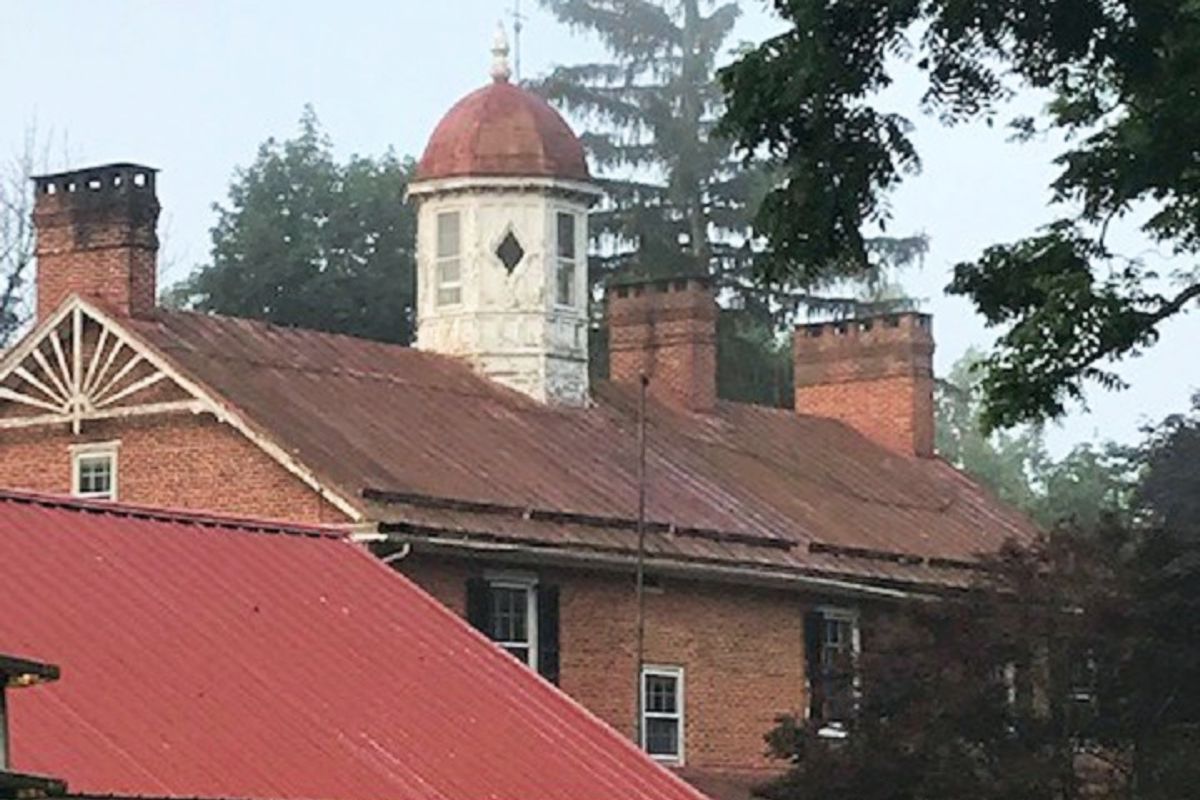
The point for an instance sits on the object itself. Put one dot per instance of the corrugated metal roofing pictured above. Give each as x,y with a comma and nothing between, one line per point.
370,416
210,657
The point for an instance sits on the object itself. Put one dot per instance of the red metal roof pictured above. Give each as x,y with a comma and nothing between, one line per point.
503,130
211,657
748,485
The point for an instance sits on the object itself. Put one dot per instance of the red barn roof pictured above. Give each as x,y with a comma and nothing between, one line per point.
215,657
503,130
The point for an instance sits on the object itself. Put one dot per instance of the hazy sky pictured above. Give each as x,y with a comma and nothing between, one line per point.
193,87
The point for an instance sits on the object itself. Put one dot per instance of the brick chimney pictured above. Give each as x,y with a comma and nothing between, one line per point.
874,374
96,238
666,330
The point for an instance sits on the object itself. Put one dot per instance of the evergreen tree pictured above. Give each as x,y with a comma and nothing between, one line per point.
307,241
677,199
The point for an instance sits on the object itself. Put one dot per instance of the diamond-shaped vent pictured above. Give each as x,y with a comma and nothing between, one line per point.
510,252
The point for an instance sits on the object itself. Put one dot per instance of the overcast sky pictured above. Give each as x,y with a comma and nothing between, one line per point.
193,87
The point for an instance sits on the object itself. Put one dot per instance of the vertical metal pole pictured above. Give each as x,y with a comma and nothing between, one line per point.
518,17
641,558
4,753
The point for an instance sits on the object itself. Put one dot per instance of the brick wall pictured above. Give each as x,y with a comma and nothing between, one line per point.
897,412
96,238
874,374
191,462
742,650
667,331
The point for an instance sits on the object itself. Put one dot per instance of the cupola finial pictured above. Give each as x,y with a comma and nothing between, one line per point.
501,71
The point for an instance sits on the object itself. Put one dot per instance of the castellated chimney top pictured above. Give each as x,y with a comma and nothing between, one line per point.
96,237
875,374
665,330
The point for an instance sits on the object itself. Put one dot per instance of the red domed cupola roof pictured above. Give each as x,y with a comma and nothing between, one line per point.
503,130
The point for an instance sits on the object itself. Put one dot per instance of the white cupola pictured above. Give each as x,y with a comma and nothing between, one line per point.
503,192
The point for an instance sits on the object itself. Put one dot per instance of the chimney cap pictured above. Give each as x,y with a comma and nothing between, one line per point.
628,279
115,165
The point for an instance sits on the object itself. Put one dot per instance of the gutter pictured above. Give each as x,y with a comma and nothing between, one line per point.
615,562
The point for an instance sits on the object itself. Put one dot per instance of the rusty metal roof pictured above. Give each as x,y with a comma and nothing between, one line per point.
417,439
204,656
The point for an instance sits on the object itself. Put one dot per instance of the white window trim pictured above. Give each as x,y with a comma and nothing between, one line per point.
91,450
668,671
836,729
439,259
559,260
528,583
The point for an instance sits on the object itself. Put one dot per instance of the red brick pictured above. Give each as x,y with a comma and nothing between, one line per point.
876,375
96,238
666,331
189,462
741,648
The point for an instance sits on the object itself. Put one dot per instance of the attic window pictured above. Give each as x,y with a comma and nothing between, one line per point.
94,471
510,252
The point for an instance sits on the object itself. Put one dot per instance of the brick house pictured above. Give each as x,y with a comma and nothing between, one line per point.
484,466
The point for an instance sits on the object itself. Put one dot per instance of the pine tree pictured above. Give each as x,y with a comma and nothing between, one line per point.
678,201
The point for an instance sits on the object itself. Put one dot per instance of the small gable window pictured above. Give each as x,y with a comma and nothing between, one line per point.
449,259
520,614
567,261
94,471
662,713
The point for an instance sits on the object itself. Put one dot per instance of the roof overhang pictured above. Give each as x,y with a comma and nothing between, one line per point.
582,191
626,562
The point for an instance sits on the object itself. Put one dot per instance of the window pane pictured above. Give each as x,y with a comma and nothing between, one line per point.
566,283
519,653
449,276
447,234
660,694
662,737
95,475
449,271
566,236
510,609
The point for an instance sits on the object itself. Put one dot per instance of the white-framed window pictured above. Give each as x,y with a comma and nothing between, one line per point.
513,616
662,712
94,470
448,262
833,669
567,263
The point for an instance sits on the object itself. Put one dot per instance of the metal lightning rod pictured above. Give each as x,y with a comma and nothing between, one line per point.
518,26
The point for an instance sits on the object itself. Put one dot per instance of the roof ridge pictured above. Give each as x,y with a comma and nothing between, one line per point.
232,522
387,377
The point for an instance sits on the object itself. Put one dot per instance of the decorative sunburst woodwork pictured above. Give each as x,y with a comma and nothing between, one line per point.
83,369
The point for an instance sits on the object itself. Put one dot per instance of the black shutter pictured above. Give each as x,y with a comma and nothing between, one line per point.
479,605
814,638
547,632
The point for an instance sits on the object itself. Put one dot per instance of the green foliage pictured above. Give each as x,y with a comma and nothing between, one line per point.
1123,77
1089,483
678,201
307,241
1070,670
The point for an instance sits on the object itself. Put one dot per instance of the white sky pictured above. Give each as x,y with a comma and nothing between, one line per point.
193,88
